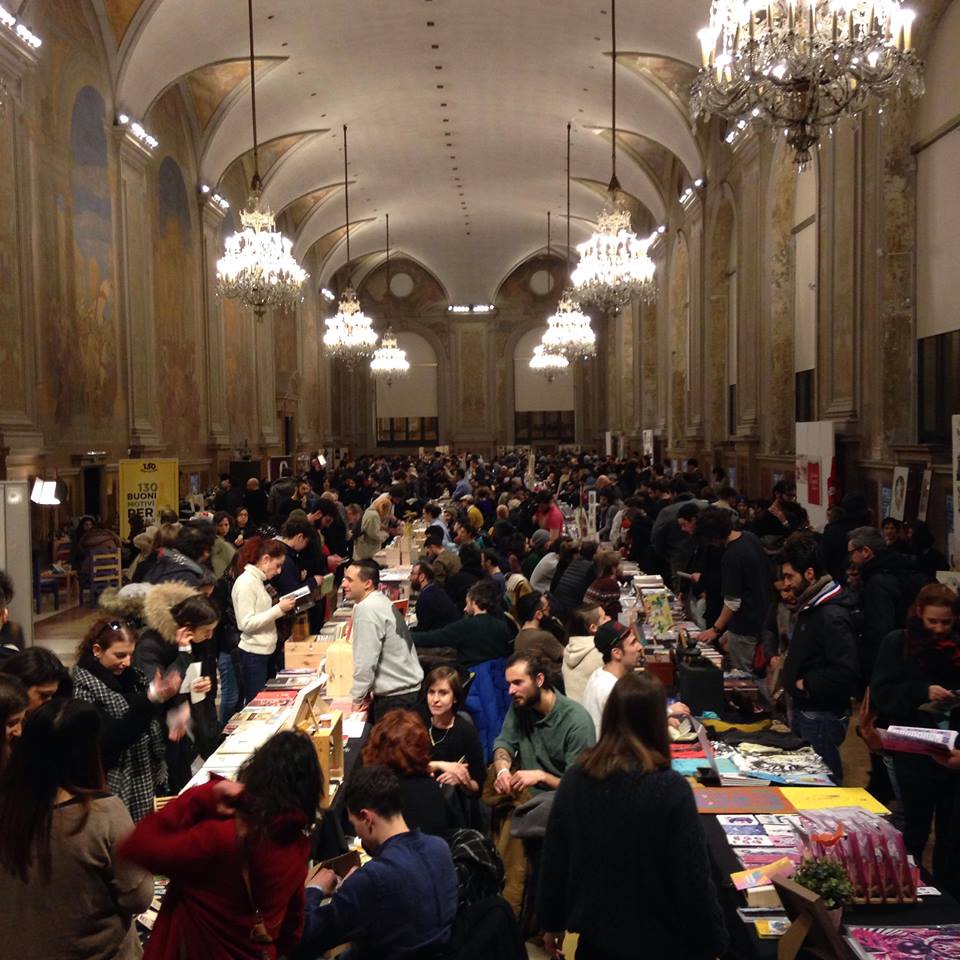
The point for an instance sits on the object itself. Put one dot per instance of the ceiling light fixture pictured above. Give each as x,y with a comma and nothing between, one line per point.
548,365
569,331
614,264
350,336
258,267
800,65
389,362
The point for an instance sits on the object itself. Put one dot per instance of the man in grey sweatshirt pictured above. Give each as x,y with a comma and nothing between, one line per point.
385,660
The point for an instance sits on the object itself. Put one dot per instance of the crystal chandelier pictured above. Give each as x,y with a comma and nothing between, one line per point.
568,332
548,365
614,265
389,363
257,267
350,336
800,65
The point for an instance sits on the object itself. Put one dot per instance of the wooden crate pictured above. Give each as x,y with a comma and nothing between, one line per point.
305,654
325,729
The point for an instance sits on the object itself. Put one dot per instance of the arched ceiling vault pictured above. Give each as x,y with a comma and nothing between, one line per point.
457,113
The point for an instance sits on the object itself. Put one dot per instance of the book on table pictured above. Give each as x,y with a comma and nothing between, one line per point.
928,740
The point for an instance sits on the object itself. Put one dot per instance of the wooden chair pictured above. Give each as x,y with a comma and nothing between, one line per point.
42,585
105,572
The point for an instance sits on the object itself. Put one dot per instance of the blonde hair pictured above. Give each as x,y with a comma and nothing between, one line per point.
382,504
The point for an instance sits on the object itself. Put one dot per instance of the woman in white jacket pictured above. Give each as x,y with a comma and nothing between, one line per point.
257,615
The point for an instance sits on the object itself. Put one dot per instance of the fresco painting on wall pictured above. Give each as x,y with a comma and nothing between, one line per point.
238,349
174,273
83,332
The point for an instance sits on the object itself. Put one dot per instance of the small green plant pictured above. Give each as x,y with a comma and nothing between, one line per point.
828,879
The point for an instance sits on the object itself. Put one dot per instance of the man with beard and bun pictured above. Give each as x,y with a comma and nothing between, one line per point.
543,735
402,902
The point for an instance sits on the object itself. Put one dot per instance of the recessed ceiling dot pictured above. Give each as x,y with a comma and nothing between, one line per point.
430,23
313,94
580,110
596,38
453,156
585,90
270,16
455,168
299,73
446,119
439,86
442,104
284,44
434,46
438,66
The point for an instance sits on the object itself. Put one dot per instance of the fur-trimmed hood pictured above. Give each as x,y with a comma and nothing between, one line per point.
157,604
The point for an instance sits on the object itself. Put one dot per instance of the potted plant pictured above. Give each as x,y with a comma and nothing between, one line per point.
830,881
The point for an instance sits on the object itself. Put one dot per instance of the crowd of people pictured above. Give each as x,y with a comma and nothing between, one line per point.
464,789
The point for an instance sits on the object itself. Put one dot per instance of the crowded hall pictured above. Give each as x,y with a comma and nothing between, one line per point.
500,503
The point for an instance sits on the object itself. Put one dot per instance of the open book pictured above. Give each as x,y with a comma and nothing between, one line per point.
918,740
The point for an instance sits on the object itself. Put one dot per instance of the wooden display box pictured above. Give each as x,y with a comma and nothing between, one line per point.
305,654
324,726
339,669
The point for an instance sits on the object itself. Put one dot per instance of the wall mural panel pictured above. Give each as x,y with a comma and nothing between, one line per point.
179,344
82,334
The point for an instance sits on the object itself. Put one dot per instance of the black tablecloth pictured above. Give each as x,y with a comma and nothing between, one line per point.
746,945
328,837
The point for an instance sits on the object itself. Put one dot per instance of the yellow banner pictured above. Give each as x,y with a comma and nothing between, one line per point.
146,488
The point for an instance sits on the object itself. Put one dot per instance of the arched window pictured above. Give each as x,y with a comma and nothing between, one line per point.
543,411
407,409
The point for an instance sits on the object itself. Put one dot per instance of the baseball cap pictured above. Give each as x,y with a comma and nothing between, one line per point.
609,635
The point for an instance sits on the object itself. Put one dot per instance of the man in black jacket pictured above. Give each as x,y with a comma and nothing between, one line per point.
435,609
890,581
820,670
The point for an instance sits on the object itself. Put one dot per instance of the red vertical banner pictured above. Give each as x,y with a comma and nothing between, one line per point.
813,482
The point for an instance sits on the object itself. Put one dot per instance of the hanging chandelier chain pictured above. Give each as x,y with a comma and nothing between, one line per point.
253,100
548,233
346,197
613,99
388,252
569,125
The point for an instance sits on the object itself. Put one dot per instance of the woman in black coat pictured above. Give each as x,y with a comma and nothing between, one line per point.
915,679
625,860
179,626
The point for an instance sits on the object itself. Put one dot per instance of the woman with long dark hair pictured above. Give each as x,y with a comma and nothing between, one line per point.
916,667
180,623
129,706
63,891
236,855
626,821
42,673
13,708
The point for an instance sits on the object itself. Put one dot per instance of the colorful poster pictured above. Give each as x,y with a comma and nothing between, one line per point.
905,943
898,502
146,488
814,494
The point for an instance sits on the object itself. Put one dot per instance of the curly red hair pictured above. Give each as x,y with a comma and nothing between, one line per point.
401,742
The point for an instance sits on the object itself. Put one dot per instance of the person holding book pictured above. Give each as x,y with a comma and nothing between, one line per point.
257,614
635,880
64,890
130,705
915,683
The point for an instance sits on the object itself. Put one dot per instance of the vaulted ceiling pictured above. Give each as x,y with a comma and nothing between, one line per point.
457,113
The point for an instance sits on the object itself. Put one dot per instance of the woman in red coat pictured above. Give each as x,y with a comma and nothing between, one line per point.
236,855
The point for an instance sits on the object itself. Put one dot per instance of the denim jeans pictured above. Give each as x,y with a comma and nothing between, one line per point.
255,671
825,732
229,690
